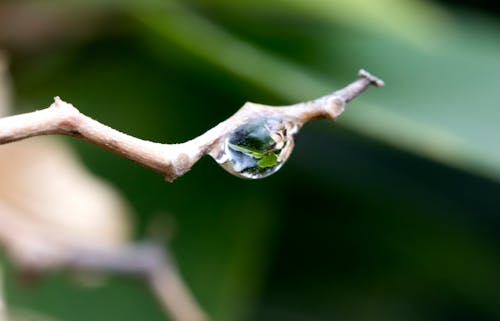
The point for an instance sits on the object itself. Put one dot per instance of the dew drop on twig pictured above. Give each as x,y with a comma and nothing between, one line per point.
258,148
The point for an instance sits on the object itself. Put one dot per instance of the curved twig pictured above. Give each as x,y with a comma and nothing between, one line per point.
172,160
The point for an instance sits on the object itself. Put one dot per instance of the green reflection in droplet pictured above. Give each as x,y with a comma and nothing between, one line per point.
258,148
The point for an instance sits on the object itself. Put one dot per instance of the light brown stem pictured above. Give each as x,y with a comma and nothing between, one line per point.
331,105
171,160
37,250
151,263
64,119
354,89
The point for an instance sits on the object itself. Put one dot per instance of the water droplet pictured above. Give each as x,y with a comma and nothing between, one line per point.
258,148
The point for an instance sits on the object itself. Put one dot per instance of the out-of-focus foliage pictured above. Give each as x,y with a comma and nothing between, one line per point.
391,214
4,86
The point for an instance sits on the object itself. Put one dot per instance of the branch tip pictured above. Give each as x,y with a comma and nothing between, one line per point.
373,79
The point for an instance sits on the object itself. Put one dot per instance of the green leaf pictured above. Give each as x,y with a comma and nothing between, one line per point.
247,151
412,21
268,160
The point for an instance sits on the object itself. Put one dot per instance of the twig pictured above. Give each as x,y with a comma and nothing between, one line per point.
152,264
172,160
38,250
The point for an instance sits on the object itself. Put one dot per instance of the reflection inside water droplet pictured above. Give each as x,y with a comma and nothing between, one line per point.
258,148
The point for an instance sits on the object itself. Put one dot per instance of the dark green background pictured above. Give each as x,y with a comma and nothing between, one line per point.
391,213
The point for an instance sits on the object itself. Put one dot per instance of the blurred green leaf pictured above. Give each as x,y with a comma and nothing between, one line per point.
413,21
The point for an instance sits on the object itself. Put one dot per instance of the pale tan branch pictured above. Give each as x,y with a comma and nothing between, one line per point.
63,118
149,262
37,250
172,160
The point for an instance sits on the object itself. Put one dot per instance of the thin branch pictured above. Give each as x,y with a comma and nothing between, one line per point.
149,262
38,250
171,160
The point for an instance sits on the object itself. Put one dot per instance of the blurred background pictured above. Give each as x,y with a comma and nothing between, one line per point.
389,214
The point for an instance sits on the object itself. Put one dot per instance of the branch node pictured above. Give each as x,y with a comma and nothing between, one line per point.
334,107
